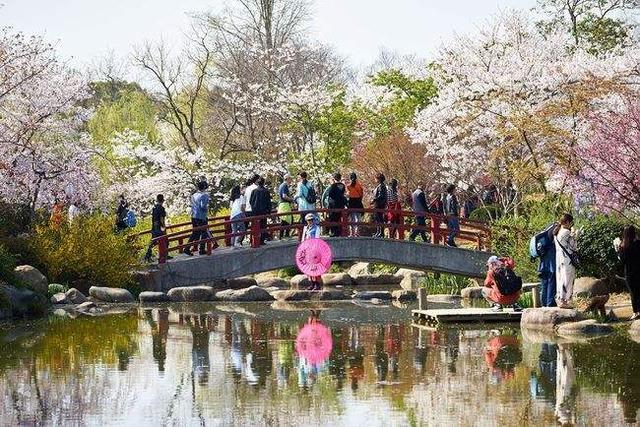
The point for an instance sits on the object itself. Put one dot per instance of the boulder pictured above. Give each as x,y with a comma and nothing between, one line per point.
302,295
410,282
377,279
274,283
252,293
376,301
21,302
634,330
359,269
444,298
402,272
59,298
337,279
114,295
548,317
149,296
369,295
300,281
404,295
585,287
32,279
74,296
583,328
472,292
192,294
241,283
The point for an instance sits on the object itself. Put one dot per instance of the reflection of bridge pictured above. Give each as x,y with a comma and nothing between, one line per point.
223,262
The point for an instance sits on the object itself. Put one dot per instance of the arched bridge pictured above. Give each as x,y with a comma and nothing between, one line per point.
221,261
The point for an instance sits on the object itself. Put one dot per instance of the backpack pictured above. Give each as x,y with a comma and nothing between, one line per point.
507,281
311,195
539,244
130,219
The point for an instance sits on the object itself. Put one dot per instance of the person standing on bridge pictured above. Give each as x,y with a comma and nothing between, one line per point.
199,213
355,193
238,207
395,209
419,205
158,226
452,210
261,206
305,197
285,206
251,185
336,200
379,203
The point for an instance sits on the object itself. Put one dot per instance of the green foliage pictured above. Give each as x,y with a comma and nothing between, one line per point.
595,245
56,288
288,272
409,96
383,268
602,35
525,300
486,213
448,284
87,251
14,219
7,265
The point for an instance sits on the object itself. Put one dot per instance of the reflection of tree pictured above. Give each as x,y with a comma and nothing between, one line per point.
604,374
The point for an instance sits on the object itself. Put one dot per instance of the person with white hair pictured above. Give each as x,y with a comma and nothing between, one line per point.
312,231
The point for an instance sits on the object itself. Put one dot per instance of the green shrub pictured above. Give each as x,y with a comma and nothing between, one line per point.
449,284
595,245
86,252
383,268
287,272
526,300
56,288
7,265
486,213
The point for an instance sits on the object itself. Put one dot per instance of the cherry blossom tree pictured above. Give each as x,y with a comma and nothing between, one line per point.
43,151
609,158
511,102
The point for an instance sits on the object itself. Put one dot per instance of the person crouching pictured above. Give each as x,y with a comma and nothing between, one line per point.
312,231
502,287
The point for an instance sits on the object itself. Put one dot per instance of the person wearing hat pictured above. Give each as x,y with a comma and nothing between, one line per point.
491,292
158,224
355,193
285,206
199,212
312,231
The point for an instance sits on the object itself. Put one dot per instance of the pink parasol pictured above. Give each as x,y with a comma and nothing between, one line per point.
314,342
313,257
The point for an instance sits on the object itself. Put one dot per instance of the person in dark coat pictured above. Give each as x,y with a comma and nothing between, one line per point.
547,267
629,253
261,205
336,199
379,202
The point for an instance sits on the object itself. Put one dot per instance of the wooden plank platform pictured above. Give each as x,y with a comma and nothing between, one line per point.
465,315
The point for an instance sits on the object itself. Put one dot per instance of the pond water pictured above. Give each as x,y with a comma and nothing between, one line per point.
336,364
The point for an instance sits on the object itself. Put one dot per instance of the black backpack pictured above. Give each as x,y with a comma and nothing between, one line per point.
507,281
311,196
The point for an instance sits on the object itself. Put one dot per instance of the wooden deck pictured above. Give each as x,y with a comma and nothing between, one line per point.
465,315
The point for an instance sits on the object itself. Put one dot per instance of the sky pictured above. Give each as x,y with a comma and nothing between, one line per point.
87,30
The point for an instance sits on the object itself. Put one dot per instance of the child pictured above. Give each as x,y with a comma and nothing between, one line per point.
312,231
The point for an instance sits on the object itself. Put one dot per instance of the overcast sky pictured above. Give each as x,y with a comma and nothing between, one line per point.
88,29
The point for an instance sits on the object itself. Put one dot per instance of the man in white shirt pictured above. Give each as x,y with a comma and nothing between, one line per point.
251,185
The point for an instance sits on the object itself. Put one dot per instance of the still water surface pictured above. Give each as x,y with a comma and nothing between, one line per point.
343,364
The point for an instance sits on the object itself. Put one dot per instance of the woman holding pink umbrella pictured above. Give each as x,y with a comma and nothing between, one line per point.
312,231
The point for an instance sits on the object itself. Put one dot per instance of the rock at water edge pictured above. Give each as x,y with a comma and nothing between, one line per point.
585,328
113,295
149,296
472,292
404,295
274,283
252,293
368,295
192,294
548,317
74,296
59,298
337,279
32,278
359,269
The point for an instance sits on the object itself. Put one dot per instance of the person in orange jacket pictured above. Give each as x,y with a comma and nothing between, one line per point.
491,292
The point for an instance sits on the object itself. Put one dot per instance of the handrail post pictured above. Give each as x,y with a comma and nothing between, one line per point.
227,231
344,219
256,232
401,225
163,249
435,230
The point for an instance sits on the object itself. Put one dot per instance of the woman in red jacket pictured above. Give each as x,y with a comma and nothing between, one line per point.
491,292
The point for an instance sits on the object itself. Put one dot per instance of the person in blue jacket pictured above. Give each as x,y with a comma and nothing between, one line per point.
546,251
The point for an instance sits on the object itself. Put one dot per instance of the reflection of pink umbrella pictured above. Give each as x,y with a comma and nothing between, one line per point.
313,257
314,343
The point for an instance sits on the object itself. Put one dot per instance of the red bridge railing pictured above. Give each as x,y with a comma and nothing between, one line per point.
474,234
